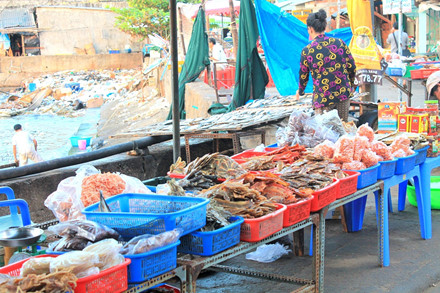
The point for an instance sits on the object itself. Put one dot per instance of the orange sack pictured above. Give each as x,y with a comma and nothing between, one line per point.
361,143
325,149
382,150
110,184
369,158
355,165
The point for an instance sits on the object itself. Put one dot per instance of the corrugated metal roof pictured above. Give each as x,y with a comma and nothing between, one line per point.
16,17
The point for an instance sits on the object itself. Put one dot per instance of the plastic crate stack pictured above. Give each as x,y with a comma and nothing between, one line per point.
138,214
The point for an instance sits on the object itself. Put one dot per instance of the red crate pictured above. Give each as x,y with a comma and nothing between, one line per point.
348,184
181,176
422,73
297,212
325,196
253,230
112,280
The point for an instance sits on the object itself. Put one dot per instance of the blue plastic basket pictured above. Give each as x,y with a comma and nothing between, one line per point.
405,164
368,176
421,155
212,242
275,145
153,263
137,214
386,169
74,140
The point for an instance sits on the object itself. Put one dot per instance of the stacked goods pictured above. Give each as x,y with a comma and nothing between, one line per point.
362,150
388,113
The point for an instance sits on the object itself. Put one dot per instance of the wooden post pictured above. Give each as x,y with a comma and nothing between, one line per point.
233,28
23,49
181,31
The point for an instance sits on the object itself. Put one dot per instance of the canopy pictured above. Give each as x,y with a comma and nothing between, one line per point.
197,59
283,37
220,7
250,74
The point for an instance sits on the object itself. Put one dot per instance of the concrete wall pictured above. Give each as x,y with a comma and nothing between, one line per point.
35,188
63,29
13,70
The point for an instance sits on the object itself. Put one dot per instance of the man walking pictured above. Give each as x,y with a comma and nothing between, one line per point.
25,146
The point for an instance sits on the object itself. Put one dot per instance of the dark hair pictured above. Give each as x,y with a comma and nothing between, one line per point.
212,40
317,20
17,126
433,90
396,25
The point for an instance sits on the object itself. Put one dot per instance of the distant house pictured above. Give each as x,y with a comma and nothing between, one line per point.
61,30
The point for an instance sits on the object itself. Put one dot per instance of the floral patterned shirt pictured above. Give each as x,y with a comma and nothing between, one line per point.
333,70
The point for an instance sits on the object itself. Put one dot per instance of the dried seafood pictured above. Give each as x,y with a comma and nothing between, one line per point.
61,281
215,164
277,158
312,173
178,167
198,182
239,199
272,187
216,217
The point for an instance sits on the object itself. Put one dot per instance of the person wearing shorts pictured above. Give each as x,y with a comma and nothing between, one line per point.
25,147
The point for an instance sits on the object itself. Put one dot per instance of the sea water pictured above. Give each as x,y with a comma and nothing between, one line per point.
51,132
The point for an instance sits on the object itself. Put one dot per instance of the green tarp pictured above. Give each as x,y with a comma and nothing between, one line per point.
196,60
249,69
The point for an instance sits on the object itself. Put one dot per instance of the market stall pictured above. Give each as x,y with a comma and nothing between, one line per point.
216,207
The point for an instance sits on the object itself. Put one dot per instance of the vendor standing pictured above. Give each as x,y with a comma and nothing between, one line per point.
432,86
332,67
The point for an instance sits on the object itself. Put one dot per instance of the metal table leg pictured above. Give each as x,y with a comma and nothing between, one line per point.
319,251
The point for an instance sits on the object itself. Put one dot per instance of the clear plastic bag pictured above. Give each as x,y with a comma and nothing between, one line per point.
401,142
361,143
37,266
382,150
68,243
67,201
268,253
77,261
367,131
332,121
369,158
282,137
89,272
107,251
84,229
344,149
325,149
355,165
145,243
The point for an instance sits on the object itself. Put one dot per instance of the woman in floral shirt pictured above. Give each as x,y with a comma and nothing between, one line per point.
332,67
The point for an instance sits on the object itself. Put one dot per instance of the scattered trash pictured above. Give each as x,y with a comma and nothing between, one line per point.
268,252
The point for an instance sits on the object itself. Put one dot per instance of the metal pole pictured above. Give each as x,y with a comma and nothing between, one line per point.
400,43
175,80
373,89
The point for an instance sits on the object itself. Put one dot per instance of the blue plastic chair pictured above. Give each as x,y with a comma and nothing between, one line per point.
14,219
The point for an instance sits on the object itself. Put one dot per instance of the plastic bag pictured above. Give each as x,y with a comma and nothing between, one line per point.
282,137
66,202
37,266
89,272
108,252
399,154
145,243
401,142
77,261
325,149
344,150
367,131
350,127
84,229
361,143
260,148
268,253
68,243
369,158
355,165
382,150
331,121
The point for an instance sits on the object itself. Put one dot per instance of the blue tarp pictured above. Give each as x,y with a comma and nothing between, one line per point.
283,37
4,38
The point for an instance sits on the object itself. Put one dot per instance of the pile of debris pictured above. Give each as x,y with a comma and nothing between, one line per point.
66,93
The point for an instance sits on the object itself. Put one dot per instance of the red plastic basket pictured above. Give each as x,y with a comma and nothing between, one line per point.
181,176
241,157
348,184
422,73
112,280
297,212
325,196
253,230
